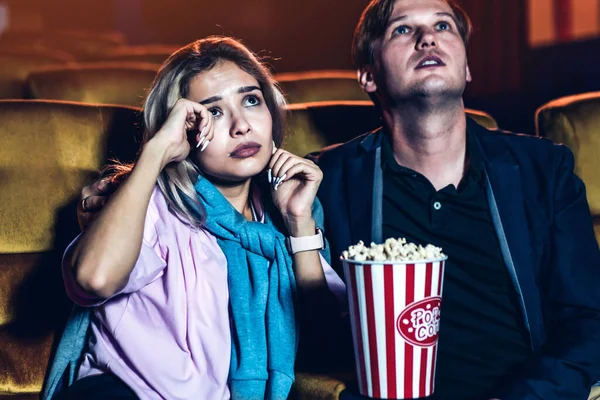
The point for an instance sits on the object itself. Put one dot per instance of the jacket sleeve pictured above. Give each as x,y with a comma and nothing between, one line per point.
568,364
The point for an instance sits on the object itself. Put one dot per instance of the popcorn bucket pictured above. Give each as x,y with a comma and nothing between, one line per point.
395,317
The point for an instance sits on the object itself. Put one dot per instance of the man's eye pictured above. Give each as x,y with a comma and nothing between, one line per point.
401,30
443,26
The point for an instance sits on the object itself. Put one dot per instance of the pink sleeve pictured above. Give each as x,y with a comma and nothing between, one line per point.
335,284
148,267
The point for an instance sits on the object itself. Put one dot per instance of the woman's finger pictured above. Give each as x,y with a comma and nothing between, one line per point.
206,131
281,160
305,171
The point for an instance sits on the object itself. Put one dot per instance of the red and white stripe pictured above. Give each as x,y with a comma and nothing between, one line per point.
558,21
387,365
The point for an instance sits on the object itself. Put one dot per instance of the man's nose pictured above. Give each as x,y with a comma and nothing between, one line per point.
426,39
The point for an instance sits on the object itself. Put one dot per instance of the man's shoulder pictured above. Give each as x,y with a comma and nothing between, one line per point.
337,153
519,144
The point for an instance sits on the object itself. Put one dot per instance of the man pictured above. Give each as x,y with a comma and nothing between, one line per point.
521,304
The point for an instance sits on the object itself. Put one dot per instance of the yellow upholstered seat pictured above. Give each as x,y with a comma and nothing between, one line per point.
312,126
575,121
102,82
325,85
16,62
49,151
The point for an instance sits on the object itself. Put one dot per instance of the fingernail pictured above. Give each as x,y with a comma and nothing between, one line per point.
277,185
275,181
205,145
200,142
202,131
282,178
269,175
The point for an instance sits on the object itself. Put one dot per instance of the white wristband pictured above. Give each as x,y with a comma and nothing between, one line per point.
306,243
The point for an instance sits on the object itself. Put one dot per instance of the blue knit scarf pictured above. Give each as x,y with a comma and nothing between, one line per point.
262,290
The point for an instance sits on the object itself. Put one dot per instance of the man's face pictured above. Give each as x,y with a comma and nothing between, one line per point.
421,53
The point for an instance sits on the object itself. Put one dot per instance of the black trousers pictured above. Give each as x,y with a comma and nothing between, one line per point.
97,387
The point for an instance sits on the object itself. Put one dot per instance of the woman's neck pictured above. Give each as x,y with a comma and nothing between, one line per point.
238,194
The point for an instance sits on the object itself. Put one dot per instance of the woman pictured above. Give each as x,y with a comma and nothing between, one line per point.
192,285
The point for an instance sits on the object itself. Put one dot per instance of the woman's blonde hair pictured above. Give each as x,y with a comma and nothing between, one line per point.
176,181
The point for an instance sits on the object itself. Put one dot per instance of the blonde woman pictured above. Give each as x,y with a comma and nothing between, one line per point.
191,274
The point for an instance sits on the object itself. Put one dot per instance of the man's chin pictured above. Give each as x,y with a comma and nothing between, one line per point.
436,90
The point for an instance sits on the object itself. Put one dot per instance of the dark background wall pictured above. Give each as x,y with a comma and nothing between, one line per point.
510,79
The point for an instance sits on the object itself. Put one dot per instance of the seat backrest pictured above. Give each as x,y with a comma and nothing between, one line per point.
575,122
324,85
103,82
49,151
312,126
16,63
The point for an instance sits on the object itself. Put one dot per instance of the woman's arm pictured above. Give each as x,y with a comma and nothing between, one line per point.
106,253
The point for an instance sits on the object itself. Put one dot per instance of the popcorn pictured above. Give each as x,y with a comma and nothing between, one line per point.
392,250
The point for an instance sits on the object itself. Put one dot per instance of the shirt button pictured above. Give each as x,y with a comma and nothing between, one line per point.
437,205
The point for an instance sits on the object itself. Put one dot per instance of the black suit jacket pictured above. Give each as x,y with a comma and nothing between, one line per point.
545,230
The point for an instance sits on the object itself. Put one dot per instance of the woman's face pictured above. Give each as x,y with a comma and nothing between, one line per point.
243,141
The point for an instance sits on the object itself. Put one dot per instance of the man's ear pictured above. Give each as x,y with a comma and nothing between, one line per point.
366,79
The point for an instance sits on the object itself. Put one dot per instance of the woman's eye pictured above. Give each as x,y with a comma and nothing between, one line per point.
215,112
251,101
443,26
401,30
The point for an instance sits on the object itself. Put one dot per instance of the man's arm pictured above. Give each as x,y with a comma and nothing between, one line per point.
569,362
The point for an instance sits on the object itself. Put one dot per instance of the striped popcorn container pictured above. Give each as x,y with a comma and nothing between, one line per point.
395,317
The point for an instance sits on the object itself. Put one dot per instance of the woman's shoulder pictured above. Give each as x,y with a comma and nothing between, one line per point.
167,223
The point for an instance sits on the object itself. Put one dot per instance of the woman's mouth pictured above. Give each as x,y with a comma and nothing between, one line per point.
245,150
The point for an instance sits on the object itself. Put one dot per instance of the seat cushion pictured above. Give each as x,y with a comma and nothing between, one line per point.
33,309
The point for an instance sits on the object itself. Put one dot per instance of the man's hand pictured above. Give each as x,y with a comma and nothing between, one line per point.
93,198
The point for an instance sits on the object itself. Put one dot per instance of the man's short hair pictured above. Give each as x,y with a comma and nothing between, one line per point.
373,22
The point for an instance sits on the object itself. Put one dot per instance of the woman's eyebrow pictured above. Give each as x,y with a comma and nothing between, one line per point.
247,89
241,90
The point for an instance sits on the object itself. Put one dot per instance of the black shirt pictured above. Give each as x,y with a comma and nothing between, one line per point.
482,333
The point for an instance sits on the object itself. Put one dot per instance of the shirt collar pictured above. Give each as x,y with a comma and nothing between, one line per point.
475,158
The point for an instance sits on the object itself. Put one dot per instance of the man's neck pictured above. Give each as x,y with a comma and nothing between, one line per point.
431,141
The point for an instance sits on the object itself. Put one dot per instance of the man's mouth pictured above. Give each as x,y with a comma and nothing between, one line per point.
429,62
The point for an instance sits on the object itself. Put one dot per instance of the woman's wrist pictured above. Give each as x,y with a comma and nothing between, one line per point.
155,152
298,227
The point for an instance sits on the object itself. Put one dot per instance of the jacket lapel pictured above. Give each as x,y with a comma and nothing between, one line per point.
361,174
505,200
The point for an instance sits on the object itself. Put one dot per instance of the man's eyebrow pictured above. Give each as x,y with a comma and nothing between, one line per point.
241,90
444,14
438,14
394,20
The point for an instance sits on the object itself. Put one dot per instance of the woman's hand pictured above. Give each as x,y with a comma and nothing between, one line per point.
294,182
186,117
